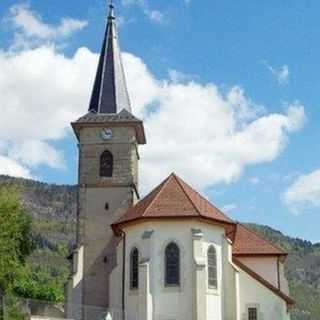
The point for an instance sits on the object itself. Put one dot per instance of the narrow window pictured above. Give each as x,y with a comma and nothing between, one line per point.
134,269
172,265
252,314
106,164
212,268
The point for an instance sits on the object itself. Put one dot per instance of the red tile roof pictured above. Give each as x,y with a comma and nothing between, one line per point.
247,243
173,198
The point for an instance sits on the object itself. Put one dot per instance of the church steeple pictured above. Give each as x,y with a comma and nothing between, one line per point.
110,94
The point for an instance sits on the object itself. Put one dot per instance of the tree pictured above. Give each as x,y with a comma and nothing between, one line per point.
15,238
19,276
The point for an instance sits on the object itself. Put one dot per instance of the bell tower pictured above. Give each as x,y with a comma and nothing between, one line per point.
109,136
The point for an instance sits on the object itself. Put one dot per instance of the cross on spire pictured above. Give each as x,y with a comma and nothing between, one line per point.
111,7
110,94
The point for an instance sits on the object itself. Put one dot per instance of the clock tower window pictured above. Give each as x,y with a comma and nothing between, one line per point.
106,164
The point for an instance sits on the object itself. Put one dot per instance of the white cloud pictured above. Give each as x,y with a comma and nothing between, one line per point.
30,24
204,135
229,207
282,74
194,129
36,96
154,15
35,153
177,76
41,92
304,192
13,168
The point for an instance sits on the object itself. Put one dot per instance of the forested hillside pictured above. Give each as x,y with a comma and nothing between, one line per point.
53,209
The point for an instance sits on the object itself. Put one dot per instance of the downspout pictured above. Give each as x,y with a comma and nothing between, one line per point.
134,187
278,271
123,274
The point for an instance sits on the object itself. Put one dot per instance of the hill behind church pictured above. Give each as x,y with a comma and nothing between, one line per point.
53,210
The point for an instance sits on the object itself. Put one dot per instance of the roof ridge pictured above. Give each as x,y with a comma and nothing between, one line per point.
202,197
161,186
173,198
186,193
261,237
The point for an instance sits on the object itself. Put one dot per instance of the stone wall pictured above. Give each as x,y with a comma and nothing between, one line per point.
102,201
123,147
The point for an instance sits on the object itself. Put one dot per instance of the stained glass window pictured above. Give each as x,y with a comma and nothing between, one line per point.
172,265
212,268
134,269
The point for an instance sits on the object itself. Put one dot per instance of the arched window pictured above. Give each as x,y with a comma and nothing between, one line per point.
106,164
172,265
134,269
212,268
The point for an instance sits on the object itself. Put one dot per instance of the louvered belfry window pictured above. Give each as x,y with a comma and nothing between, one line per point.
172,265
212,268
106,164
134,269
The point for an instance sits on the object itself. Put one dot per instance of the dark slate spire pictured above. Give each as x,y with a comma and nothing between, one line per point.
110,94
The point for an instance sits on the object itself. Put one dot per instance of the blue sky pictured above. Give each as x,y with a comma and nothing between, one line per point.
266,52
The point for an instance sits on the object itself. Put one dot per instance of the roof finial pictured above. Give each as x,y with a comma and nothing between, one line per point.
111,7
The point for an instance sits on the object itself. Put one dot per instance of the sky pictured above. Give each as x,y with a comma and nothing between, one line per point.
228,92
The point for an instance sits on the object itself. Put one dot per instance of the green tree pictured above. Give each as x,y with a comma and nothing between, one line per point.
19,275
15,238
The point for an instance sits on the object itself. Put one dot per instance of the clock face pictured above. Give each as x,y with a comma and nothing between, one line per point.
106,134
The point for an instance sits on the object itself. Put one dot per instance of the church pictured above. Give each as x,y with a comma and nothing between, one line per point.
171,255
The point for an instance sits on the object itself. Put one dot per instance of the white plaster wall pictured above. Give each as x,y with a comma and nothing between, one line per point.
74,287
214,296
78,267
236,289
264,266
271,307
229,283
284,286
115,289
173,303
